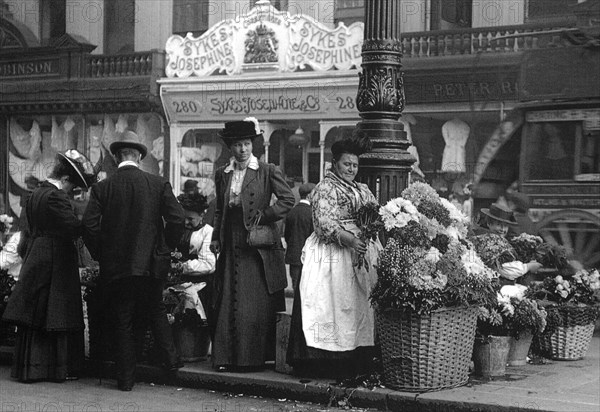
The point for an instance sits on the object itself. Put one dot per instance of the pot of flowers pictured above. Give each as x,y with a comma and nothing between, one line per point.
430,283
504,332
572,303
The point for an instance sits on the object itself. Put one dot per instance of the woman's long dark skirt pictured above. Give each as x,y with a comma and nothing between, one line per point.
42,355
245,318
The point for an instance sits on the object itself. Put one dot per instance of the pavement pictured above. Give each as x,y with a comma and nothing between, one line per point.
554,386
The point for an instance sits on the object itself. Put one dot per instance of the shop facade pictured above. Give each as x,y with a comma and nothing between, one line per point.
299,78
62,97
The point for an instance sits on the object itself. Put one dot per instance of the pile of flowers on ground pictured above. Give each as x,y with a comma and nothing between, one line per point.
512,315
427,262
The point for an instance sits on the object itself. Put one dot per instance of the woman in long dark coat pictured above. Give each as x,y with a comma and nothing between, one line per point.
249,281
46,302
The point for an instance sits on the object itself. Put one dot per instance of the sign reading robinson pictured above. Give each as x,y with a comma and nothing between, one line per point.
265,36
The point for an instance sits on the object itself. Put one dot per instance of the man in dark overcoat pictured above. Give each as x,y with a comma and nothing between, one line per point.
132,223
298,227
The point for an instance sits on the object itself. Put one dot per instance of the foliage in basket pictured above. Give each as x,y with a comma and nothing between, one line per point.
560,295
529,247
513,314
427,262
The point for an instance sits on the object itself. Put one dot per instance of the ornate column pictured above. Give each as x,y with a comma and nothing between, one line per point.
380,101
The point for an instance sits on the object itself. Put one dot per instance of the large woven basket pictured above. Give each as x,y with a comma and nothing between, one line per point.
422,353
570,339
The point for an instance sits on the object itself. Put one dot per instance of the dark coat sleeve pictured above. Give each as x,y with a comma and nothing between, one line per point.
285,197
172,213
59,207
91,223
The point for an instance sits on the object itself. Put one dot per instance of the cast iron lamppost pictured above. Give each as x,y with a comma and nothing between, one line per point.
380,101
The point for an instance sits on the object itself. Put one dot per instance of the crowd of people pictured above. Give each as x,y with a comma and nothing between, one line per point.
133,222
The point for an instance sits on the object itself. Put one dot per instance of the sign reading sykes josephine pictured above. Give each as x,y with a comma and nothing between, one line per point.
265,36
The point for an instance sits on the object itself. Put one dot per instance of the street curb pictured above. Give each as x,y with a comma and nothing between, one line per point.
277,386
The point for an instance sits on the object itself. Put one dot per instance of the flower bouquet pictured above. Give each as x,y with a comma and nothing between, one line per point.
573,306
430,280
368,220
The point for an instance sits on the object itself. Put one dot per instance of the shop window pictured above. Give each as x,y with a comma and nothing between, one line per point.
537,10
190,16
119,26
349,11
550,150
202,153
52,19
589,163
451,14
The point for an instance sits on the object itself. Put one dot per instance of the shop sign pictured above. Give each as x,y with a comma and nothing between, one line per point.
564,202
265,37
460,87
590,116
265,102
28,68
562,189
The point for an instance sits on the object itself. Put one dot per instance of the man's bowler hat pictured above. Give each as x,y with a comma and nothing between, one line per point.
128,139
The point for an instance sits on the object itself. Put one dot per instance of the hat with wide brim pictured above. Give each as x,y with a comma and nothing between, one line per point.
500,214
240,130
128,139
84,171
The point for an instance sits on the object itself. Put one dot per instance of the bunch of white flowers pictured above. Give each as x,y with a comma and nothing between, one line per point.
397,213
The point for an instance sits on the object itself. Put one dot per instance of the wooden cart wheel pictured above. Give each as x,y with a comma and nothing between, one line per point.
577,230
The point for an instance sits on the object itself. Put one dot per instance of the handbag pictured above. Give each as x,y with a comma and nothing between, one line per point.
261,236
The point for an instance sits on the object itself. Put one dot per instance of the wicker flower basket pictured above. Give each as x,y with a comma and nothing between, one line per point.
570,339
423,353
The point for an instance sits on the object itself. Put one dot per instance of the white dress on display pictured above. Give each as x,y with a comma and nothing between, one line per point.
455,133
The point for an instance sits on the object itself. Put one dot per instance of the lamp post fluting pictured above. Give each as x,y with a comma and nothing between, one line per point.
380,101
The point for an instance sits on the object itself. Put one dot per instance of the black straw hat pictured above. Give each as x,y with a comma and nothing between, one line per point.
242,129
84,171
500,213
128,139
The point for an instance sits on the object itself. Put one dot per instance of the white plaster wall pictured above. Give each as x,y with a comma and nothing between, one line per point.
86,18
153,24
492,13
26,12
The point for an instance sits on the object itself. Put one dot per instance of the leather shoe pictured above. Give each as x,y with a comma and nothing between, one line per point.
125,387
